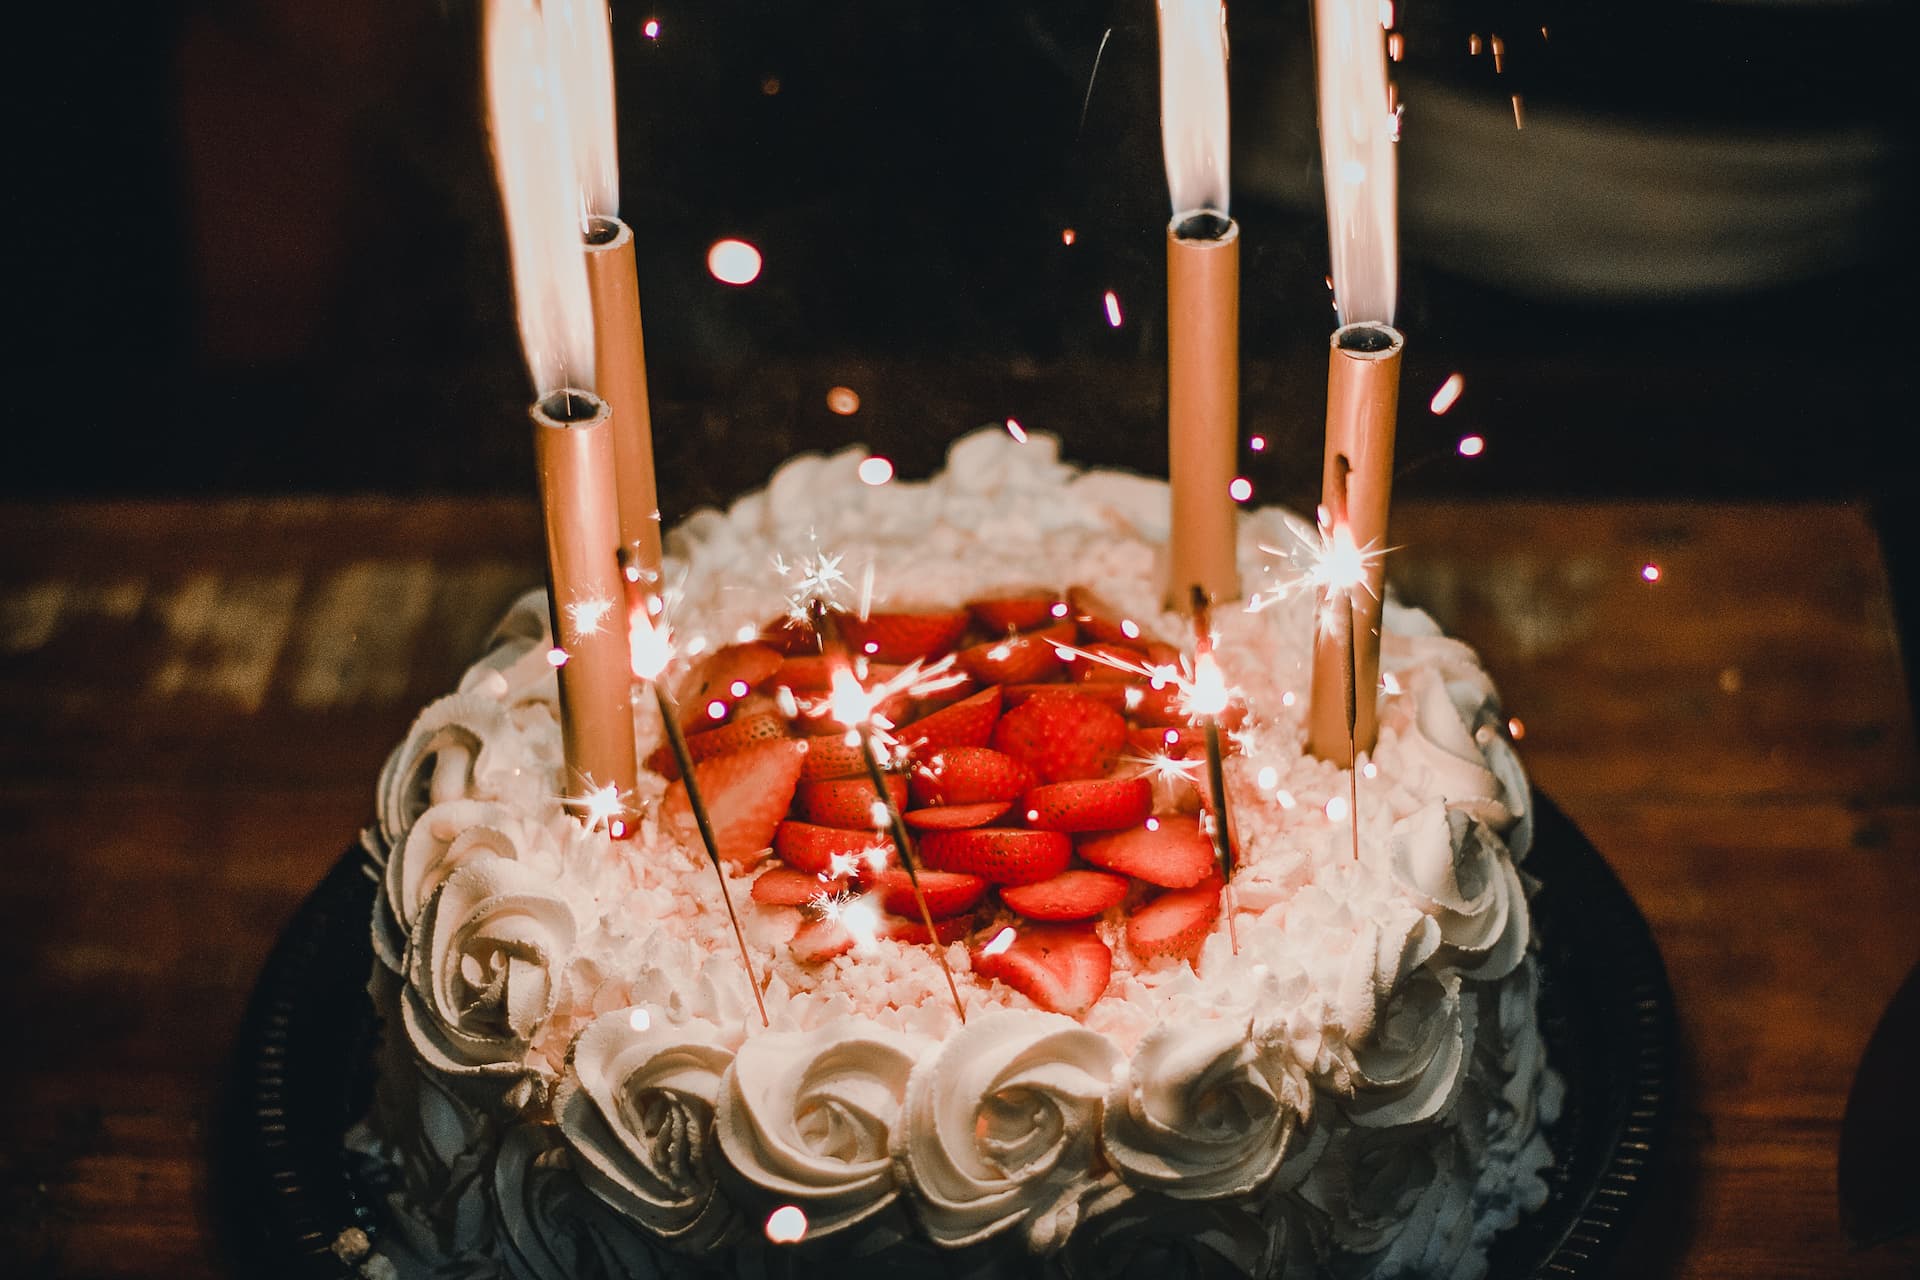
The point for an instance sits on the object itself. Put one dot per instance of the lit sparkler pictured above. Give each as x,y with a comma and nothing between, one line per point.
1208,698
813,578
651,646
855,707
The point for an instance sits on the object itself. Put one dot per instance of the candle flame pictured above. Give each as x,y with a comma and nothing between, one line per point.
1193,105
1357,129
580,33
532,156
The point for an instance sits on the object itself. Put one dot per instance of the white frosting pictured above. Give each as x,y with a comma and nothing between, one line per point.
550,1228
552,974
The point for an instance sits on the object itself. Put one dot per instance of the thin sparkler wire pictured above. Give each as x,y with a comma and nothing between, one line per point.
1216,765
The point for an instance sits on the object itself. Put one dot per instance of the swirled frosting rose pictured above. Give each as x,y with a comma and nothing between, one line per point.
1397,1197
1203,1110
1132,1235
1461,875
808,1118
1001,1127
443,839
1448,741
549,1227
485,968
637,1108
1409,1069
454,743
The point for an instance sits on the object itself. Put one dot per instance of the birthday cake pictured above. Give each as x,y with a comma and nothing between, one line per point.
1314,1055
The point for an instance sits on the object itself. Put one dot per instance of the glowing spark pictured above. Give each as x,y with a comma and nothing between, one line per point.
716,710
1241,489
600,804
1017,431
843,401
1333,564
1128,628
1285,799
999,942
787,1225
556,657
815,577
1390,682
1472,446
1337,809
639,1019
1396,46
1448,393
733,262
650,28
1209,694
875,471
1059,610
740,688
1113,309
588,616
1166,768
1650,571
1519,117
1066,236
1267,778
1369,770
1515,729
1258,444
861,918
1473,46
1499,49
1287,699
649,646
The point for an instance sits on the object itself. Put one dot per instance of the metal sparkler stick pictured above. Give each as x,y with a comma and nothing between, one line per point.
1216,767
1337,503
829,646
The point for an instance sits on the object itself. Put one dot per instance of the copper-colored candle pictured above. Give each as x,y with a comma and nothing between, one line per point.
1203,303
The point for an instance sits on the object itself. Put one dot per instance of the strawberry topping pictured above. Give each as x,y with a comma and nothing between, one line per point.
903,637
1062,738
966,723
1174,924
948,893
968,775
1171,852
746,793
952,817
1071,895
847,802
1004,855
1101,804
1063,968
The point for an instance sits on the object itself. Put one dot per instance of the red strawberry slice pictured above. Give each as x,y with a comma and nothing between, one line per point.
1017,613
904,637
1071,895
813,673
948,892
1174,924
1170,851
736,735
1099,620
1018,659
1104,661
966,723
1171,740
1004,855
729,675
1100,691
1061,739
968,775
1062,967
1100,804
827,851
954,817
785,887
914,932
847,802
747,794
818,941
830,755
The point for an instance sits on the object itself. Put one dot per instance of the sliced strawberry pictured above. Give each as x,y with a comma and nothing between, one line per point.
727,676
1106,662
1004,855
1171,740
968,775
911,930
904,637
1062,738
1017,613
1158,708
830,851
1100,691
1174,924
1100,621
785,887
1019,659
1170,851
747,794
736,735
967,723
954,817
1063,967
818,941
847,802
813,673
1071,895
830,755
1098,804
948,892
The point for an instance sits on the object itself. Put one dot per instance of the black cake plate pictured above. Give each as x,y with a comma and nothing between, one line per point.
302,1075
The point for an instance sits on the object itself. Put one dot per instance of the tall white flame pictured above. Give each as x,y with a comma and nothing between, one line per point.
533,161
581,37
1357,129
1193,104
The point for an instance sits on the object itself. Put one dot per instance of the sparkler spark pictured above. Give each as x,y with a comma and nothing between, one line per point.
597,805
813,578
589,616
1332,563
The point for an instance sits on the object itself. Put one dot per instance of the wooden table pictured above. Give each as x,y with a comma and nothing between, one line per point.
196,697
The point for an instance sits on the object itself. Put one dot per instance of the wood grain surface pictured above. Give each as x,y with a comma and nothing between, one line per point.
195,698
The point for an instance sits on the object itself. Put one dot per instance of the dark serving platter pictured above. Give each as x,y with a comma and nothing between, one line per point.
302,1074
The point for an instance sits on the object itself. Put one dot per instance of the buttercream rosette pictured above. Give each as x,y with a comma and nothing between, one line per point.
1460,874
1397,1202
549,1227
808,1118
442,839
485,968
637,1107
515,668
1135,1235
1001,1127
1448,739
1409,1069
1203,1110
456,748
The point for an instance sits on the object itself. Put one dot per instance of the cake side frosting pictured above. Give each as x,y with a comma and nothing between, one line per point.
1358,1086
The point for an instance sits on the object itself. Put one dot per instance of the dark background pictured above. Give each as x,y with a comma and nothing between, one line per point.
258,248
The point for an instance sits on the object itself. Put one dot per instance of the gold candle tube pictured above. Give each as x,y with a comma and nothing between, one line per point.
573,451
1363,395
1203,405
620,364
